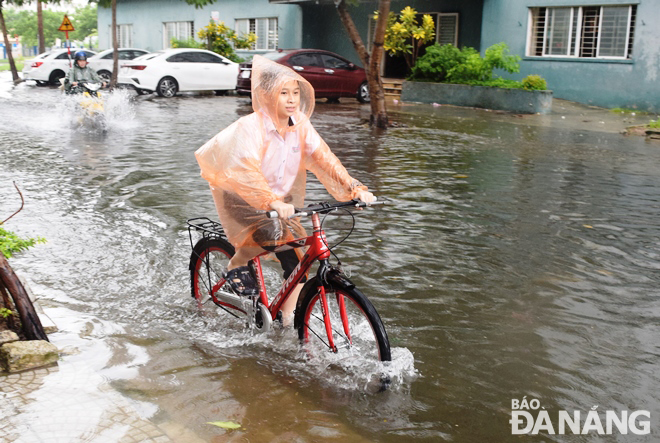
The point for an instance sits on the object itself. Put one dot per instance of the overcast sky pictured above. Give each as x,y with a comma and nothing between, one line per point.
66,6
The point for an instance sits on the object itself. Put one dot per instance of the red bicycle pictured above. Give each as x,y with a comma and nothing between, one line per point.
331,312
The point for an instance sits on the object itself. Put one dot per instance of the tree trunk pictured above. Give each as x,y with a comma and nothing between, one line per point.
40,28
29,319
378,110
115,54
6,301
371,62
10,56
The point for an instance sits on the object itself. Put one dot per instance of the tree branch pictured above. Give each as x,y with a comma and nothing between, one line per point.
19,209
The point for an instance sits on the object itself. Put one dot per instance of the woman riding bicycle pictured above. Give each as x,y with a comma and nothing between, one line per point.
260,162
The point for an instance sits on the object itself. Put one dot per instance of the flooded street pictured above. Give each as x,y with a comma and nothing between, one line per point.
518,259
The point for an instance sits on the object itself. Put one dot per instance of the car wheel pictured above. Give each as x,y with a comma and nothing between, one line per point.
55,77
333,100
363,93
106,76
167,87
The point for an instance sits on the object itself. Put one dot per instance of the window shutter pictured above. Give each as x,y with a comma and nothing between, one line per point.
447,31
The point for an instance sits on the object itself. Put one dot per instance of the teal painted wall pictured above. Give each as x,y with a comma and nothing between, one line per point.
147,17
322,28
631,83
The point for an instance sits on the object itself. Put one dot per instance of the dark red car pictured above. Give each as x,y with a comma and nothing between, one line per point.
331,75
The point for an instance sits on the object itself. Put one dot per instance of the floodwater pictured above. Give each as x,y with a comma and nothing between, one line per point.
519,260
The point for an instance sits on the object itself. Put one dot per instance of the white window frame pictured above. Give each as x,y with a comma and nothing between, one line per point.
272,32
124,30
179,34
574,43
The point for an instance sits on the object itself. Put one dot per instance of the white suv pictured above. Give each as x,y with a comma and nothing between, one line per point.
102,62
50,67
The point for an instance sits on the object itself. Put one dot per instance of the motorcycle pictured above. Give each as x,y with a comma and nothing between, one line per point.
90,111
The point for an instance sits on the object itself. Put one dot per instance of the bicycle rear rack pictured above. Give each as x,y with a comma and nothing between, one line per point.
210,229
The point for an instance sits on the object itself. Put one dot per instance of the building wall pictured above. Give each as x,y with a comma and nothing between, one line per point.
322,28
148,16
609,83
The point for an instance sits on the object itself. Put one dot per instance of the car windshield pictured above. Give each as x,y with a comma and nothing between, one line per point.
275,56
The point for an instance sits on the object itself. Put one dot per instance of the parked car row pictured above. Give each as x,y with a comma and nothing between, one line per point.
171,71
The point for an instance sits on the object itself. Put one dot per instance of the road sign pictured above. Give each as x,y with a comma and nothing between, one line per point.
66,25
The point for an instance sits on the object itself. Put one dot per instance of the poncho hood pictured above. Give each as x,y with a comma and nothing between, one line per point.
268,79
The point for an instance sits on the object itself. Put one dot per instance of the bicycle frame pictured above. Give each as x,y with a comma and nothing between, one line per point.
317,251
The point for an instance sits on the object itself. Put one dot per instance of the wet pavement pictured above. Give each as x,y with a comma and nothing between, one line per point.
527,243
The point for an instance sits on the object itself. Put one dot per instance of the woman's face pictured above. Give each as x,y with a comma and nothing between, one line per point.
82,63
288,101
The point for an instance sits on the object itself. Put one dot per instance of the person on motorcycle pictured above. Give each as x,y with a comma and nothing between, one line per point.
79,73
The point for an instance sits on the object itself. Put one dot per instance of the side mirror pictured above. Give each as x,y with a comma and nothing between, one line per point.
351,66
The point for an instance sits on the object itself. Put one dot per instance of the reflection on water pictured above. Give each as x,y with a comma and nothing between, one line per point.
517,261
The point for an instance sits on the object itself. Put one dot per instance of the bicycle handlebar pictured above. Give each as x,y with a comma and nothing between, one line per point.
324,208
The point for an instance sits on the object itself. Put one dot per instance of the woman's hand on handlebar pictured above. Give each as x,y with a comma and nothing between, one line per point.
284,210
366,197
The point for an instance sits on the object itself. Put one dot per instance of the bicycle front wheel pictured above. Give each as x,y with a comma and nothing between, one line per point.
355,326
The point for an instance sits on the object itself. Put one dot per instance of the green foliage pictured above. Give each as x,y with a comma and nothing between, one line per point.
222,40
10,243
498,82
438,61
654,124
4,312
85,21
534,83
24,24
404,35
448,64
186,43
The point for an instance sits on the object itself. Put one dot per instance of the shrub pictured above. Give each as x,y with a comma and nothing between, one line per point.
655,124
534,83
222,40
438,61
186,43
449,64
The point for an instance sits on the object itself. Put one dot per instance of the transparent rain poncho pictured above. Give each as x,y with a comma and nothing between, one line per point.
234,161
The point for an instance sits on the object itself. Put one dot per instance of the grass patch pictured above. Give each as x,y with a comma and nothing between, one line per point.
4,65
655,124
628,111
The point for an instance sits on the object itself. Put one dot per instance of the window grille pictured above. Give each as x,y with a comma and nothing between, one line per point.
124,35
447,31
582,31
177,30
265,29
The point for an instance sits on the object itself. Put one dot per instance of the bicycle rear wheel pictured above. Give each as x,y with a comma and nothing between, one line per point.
360,335
208,264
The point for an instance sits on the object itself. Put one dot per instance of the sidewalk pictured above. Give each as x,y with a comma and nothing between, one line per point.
565,115
72,401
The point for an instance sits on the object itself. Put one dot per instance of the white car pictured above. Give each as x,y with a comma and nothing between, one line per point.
102,62
183,69
50,67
